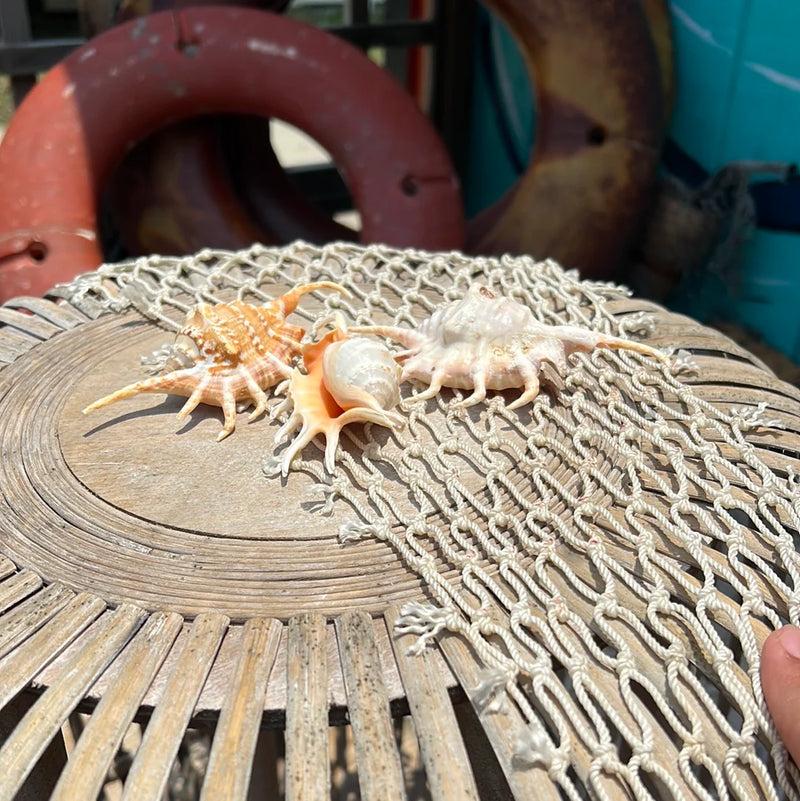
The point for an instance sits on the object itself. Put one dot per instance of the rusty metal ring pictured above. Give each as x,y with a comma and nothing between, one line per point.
602,74
74,127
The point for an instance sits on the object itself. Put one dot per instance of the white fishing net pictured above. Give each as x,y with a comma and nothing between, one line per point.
615,552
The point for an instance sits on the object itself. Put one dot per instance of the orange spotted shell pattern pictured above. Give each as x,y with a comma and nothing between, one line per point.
228,353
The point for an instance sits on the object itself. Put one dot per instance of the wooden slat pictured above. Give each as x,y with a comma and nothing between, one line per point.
6,567
502,726
151,766
441,746
39,785
61,314
29,616
488,774
231,760
90,307
18,587
14,343
88,764
27,323
43,722
308,766
21,665
380,773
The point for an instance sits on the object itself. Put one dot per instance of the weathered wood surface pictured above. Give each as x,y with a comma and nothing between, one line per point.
221,538
33,325
308,772
231,761
7,567
43,721
440,742
380,774
26,661
18,587
85,773
198,513
42,780
28,616
97,516
188,671
503,726
61,315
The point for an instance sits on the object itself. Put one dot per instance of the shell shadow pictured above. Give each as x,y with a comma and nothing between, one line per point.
171,405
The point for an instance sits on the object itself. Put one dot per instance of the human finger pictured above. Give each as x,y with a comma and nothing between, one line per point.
780,680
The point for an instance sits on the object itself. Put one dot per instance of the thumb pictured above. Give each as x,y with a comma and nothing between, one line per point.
780,680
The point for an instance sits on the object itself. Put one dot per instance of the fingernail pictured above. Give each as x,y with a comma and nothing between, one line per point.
790,641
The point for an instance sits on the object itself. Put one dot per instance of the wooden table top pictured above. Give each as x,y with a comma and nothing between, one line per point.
149,572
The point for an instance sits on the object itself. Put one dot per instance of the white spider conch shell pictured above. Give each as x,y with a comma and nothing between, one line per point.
489,342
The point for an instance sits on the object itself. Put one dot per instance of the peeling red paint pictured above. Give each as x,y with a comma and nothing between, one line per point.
305,76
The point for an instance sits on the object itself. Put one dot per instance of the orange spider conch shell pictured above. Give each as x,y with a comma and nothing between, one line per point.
227,353
347,380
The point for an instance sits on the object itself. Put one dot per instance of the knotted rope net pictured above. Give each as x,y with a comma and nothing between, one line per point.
615,553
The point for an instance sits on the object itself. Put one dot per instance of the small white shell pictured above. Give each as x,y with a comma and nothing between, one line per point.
361,372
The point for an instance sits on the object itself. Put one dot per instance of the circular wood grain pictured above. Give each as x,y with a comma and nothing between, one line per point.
131,505
136,506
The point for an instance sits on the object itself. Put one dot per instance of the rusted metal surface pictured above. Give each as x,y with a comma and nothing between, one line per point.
172,194
87,112
600,101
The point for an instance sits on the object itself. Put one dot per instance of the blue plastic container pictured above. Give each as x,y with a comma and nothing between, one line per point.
738,75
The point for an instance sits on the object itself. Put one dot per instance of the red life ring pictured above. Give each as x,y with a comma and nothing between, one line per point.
211,182
78,122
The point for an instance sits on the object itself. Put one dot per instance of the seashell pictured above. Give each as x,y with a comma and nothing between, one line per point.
361,372
346,380
484,342
226,353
